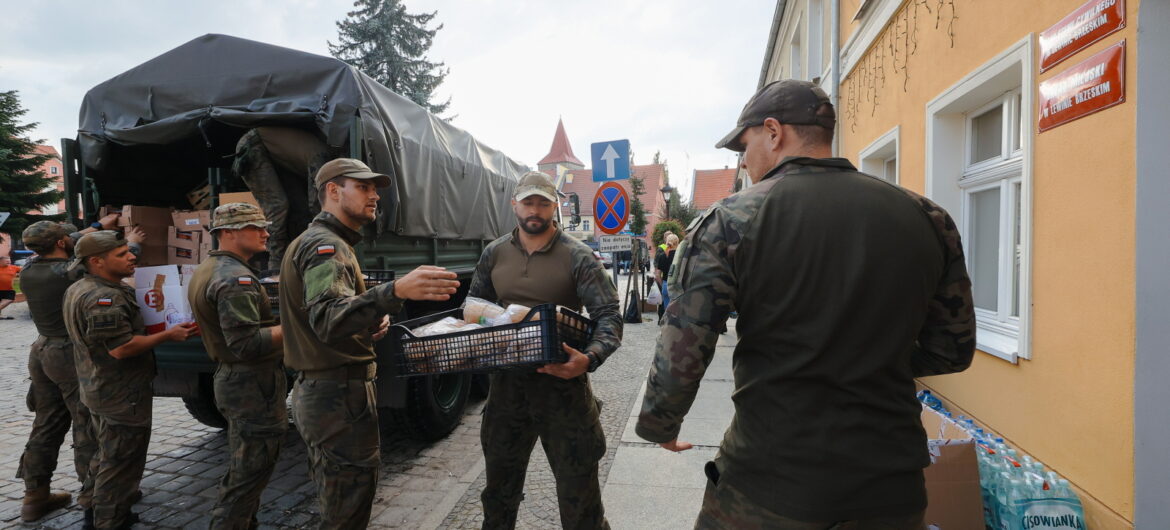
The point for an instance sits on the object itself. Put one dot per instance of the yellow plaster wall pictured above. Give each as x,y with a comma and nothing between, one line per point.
1071,406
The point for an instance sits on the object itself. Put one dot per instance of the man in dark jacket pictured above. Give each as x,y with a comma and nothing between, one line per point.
847,288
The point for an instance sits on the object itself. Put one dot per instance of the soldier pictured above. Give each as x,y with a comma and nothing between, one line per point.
236,322
115,369
847,287
53,392
276,163
330,323
536,264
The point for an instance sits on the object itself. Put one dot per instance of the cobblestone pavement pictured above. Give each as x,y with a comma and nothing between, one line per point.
422,485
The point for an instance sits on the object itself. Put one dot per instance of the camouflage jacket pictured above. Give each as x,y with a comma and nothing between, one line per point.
44,281
101,315
233,310
847,287
325,309
564,272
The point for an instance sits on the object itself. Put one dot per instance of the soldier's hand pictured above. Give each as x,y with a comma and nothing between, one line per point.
182,331
426,283
577,364
379,330
135,234
109,221
676,446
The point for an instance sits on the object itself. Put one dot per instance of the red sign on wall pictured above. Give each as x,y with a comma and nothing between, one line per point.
1096,83
1088,24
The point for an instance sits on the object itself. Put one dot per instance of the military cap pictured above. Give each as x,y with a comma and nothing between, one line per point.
95,243
788,101
350,168
535,183
237,215
45,234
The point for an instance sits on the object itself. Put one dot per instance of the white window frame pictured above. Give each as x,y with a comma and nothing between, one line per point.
52,170
816,39
950,179
879,152
796,51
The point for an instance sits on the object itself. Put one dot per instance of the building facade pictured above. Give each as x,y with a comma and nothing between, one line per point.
1028,121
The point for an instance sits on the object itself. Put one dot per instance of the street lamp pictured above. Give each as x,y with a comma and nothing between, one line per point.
666,192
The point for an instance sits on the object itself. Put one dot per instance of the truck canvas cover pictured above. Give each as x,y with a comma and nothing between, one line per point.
446,183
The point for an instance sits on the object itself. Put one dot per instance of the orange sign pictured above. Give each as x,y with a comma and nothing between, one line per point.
1095,84
1088,24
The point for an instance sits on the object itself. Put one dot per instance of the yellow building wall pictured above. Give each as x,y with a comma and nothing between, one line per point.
1071,405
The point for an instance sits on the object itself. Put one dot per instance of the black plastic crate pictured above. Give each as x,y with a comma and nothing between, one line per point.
534,341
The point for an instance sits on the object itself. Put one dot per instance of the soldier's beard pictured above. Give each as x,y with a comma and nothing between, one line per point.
541,227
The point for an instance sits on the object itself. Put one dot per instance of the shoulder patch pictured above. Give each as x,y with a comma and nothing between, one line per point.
326,250
244,280
105,302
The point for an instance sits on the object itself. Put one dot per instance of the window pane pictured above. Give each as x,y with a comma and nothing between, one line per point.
1017,246
1018,122
987,135
985,248
892,169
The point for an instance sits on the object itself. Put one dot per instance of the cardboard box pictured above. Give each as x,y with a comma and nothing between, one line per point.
952,478
161,297
184,239
183,256
191,219
144,215
154,251
243,196
146,277
200,198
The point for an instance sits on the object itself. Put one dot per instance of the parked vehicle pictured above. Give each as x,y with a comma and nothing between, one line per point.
160,129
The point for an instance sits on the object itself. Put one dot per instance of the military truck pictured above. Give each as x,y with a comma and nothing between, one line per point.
153,133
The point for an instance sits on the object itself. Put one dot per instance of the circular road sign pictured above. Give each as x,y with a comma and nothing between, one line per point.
611,206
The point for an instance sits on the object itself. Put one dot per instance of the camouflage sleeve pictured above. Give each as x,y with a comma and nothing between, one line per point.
238,305
108,320
946,342
335,311
705,284
597,291
481,280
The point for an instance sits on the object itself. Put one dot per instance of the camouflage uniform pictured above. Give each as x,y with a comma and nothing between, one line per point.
277,164
235,318
847,288
53,393
523,406
101,315
326,312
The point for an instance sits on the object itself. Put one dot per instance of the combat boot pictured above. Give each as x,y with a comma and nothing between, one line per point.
39,502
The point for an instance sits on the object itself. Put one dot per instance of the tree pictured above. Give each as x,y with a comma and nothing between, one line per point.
637,220
661,228
23,186
390,45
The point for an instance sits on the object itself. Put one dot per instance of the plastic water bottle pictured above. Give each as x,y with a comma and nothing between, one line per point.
929,399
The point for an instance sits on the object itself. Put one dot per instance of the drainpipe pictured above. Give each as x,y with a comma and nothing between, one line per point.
835,61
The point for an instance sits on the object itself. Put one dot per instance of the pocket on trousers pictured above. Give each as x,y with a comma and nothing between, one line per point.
30,399
358,400
265,382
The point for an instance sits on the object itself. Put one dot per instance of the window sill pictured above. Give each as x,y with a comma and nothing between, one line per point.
998,343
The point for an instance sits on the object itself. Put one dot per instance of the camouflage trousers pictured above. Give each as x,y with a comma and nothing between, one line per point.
117,469
251,398
338,419
726,508
54,396
523,407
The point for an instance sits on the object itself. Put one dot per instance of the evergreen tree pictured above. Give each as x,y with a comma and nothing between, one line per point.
23,186
390,45
637,221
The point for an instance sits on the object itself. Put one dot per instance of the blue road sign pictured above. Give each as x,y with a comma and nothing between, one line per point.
611,160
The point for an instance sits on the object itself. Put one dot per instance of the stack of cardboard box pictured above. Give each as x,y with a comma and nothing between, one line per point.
188,241
154,223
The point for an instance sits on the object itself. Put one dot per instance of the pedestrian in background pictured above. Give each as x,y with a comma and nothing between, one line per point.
115,371
662,269
539,264
330,322
240,333
8,273
848,287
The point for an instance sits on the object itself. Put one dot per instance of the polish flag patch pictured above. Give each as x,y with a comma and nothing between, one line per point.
325,250
245,280
105,301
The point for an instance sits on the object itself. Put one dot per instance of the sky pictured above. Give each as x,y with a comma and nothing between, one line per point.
669,75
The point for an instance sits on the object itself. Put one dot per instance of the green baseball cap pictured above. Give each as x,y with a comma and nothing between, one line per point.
45,234
235,215
535,183
95,243
788,101
350,168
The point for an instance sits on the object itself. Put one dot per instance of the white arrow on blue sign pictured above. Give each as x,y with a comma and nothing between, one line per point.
611,160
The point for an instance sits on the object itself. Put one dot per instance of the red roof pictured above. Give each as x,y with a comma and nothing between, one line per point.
711,185
651,175
560,151
47,150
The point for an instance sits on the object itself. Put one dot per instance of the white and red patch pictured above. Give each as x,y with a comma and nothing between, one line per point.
244,280
326,250
105,302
